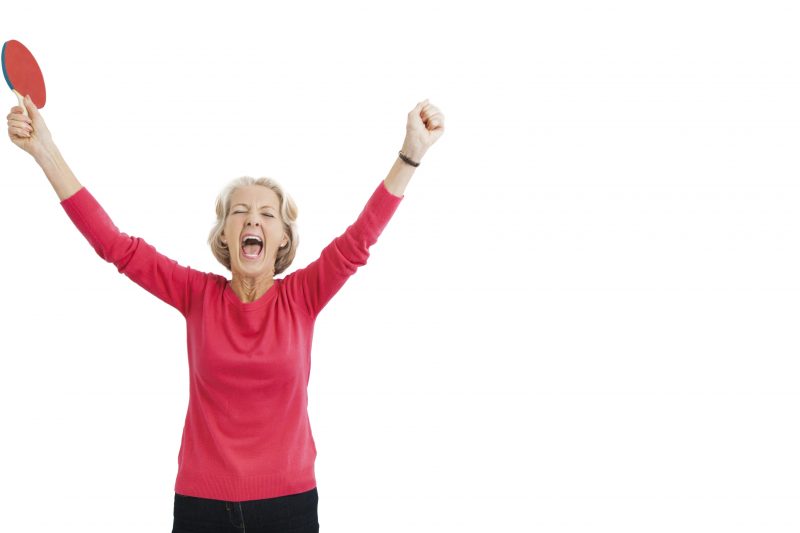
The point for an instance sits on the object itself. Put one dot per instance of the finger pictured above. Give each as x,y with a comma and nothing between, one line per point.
18,119
418,107
19,132
19,116
429,121
432,111
20,128
436,123
414,117
20,124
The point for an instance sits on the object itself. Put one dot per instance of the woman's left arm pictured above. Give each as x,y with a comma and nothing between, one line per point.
424,127
314,285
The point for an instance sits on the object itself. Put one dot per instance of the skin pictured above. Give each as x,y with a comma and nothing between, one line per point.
250,280
261,214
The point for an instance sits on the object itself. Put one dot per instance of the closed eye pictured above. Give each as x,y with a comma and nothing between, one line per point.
265,214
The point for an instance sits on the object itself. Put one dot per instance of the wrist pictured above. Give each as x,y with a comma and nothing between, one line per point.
47,155
413,151
414,156
407,161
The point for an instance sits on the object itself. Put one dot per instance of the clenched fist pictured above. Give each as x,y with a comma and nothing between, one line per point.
424,127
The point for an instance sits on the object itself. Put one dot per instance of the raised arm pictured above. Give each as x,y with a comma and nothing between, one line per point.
133,256
317,283
30,133
314,285
140,261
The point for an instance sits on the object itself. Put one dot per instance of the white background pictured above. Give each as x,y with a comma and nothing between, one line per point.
583,316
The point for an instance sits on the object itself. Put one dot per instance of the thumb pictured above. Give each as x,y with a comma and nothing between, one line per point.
30,106
414,114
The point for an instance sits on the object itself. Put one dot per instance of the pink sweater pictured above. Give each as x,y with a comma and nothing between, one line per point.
247,435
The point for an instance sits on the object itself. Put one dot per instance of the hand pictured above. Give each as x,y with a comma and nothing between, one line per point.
29,133
424,127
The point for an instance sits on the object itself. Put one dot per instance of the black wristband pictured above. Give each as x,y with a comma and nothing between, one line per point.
407,160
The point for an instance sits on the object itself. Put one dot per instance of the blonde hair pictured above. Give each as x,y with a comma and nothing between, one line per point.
288,214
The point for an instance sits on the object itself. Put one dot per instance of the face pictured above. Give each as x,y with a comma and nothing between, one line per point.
254,210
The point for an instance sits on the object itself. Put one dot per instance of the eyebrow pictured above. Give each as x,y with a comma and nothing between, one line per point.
241,203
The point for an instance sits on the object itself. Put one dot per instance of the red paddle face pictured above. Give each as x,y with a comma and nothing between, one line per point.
22,72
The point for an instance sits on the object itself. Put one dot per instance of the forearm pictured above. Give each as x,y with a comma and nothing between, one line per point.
398,177
58,173
401,172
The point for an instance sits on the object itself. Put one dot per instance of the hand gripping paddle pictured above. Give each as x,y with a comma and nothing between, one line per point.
22,74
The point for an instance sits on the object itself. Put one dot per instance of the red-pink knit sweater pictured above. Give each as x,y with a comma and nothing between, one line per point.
247,435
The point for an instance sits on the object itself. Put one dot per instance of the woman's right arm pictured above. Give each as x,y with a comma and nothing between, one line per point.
32,135
133,256
58,172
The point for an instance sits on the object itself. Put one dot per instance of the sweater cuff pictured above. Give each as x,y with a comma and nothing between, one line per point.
76,197
383,203
383,186
376,213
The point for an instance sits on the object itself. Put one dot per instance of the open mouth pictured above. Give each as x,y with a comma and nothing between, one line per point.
252,247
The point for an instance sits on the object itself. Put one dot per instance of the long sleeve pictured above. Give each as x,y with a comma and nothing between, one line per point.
318,282
137,259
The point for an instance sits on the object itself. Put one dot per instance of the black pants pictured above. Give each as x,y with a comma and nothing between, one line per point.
295,513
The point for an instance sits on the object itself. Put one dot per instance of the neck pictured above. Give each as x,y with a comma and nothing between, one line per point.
250,289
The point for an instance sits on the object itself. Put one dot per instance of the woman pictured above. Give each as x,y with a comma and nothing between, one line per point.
246,460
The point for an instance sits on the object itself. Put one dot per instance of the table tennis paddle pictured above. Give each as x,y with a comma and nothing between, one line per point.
22,74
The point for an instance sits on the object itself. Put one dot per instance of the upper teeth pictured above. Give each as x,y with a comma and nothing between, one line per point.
252,237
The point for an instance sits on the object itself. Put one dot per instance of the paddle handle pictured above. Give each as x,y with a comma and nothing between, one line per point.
21,102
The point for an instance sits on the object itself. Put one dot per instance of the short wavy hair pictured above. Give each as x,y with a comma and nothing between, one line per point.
288,215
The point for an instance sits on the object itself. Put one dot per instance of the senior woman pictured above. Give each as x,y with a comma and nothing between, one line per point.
246,459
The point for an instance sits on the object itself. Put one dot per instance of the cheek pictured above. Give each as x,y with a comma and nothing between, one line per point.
229,230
